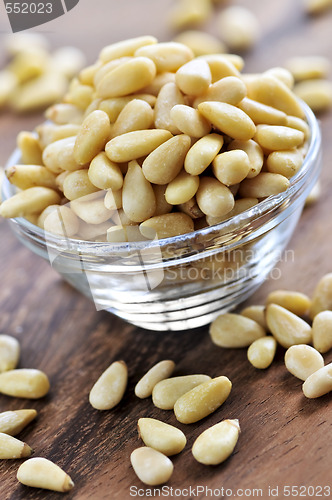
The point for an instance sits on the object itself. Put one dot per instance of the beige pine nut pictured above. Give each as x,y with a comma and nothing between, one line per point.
286,163
27,176
151,466
182,188
308,67
194,77
167,226
229,89
42,473
189,121
238,27
115,105
109,389
31,201
59,180
91,232
48,133
168,97
127,78
158,372
192,209
261,113
91,139
286,327
135,145
213,198
303,360
136,115
79,95
39,92
159,81
229,119
105,174
322,331
125,48
64,113
201,43
91,209
315,7
216,443
256,313
202,400
138,199
161,436
254,152
9,353
316,93
231,167
12,448
61,221
167,56
299,124
166,392
28,144
113,199
263,185
271,91
296,302
235,331
13,422
162,206
166,161
24,383
314,195
319,383
221,66
42,217
8,83
322,297
240,205
59,156
107,68
278,137
77,184
190,12
282,74
262,351
202,153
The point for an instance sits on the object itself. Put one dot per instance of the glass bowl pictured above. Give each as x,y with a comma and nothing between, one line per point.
185,281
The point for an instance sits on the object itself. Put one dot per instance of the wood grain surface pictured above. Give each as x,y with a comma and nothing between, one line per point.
286,439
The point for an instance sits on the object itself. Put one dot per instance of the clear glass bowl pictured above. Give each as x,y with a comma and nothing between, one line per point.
185,281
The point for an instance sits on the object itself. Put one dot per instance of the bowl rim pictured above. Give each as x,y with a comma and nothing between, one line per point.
258,211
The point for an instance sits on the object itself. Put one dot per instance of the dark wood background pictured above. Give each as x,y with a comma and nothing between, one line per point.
286,439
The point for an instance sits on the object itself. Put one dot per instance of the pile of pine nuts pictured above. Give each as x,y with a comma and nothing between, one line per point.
294,321
151,142
35,78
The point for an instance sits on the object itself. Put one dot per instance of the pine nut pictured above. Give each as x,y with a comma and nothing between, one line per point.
61,221
229,89
105,174
231,167
189,121
299,124
59,156
182,188
213,198
319,383
295,302
216,443
261,113
109,389
113,199
115,105
13,422
168,56
64,113
166,226
151,466
240,206
202,153
194,77
31,201
135,145
168,97
254,152
201,43
28,144
263,185
160,436
27,176
286,327
278,137
24,383
261,352
125,48
229,119
235,331
42,473
322,298
282,74
322,331
158,372
257,313
286,163
238,27
9,353
166,392
162,206
202,400
316,93
94,134
11,448
221,66
138,199
158,83
192,209
190,12
303,360
136,115
77,184
49,133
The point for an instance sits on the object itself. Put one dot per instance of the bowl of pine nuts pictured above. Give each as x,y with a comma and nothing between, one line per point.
165,187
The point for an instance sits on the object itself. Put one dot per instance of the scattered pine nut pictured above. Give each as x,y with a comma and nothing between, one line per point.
24,383
161,436
303,360
12,448
158,372
13,422
216,443
42,473
109,389
9,353
151,466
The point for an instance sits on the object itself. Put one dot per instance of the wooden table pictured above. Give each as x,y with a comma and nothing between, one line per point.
286,440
